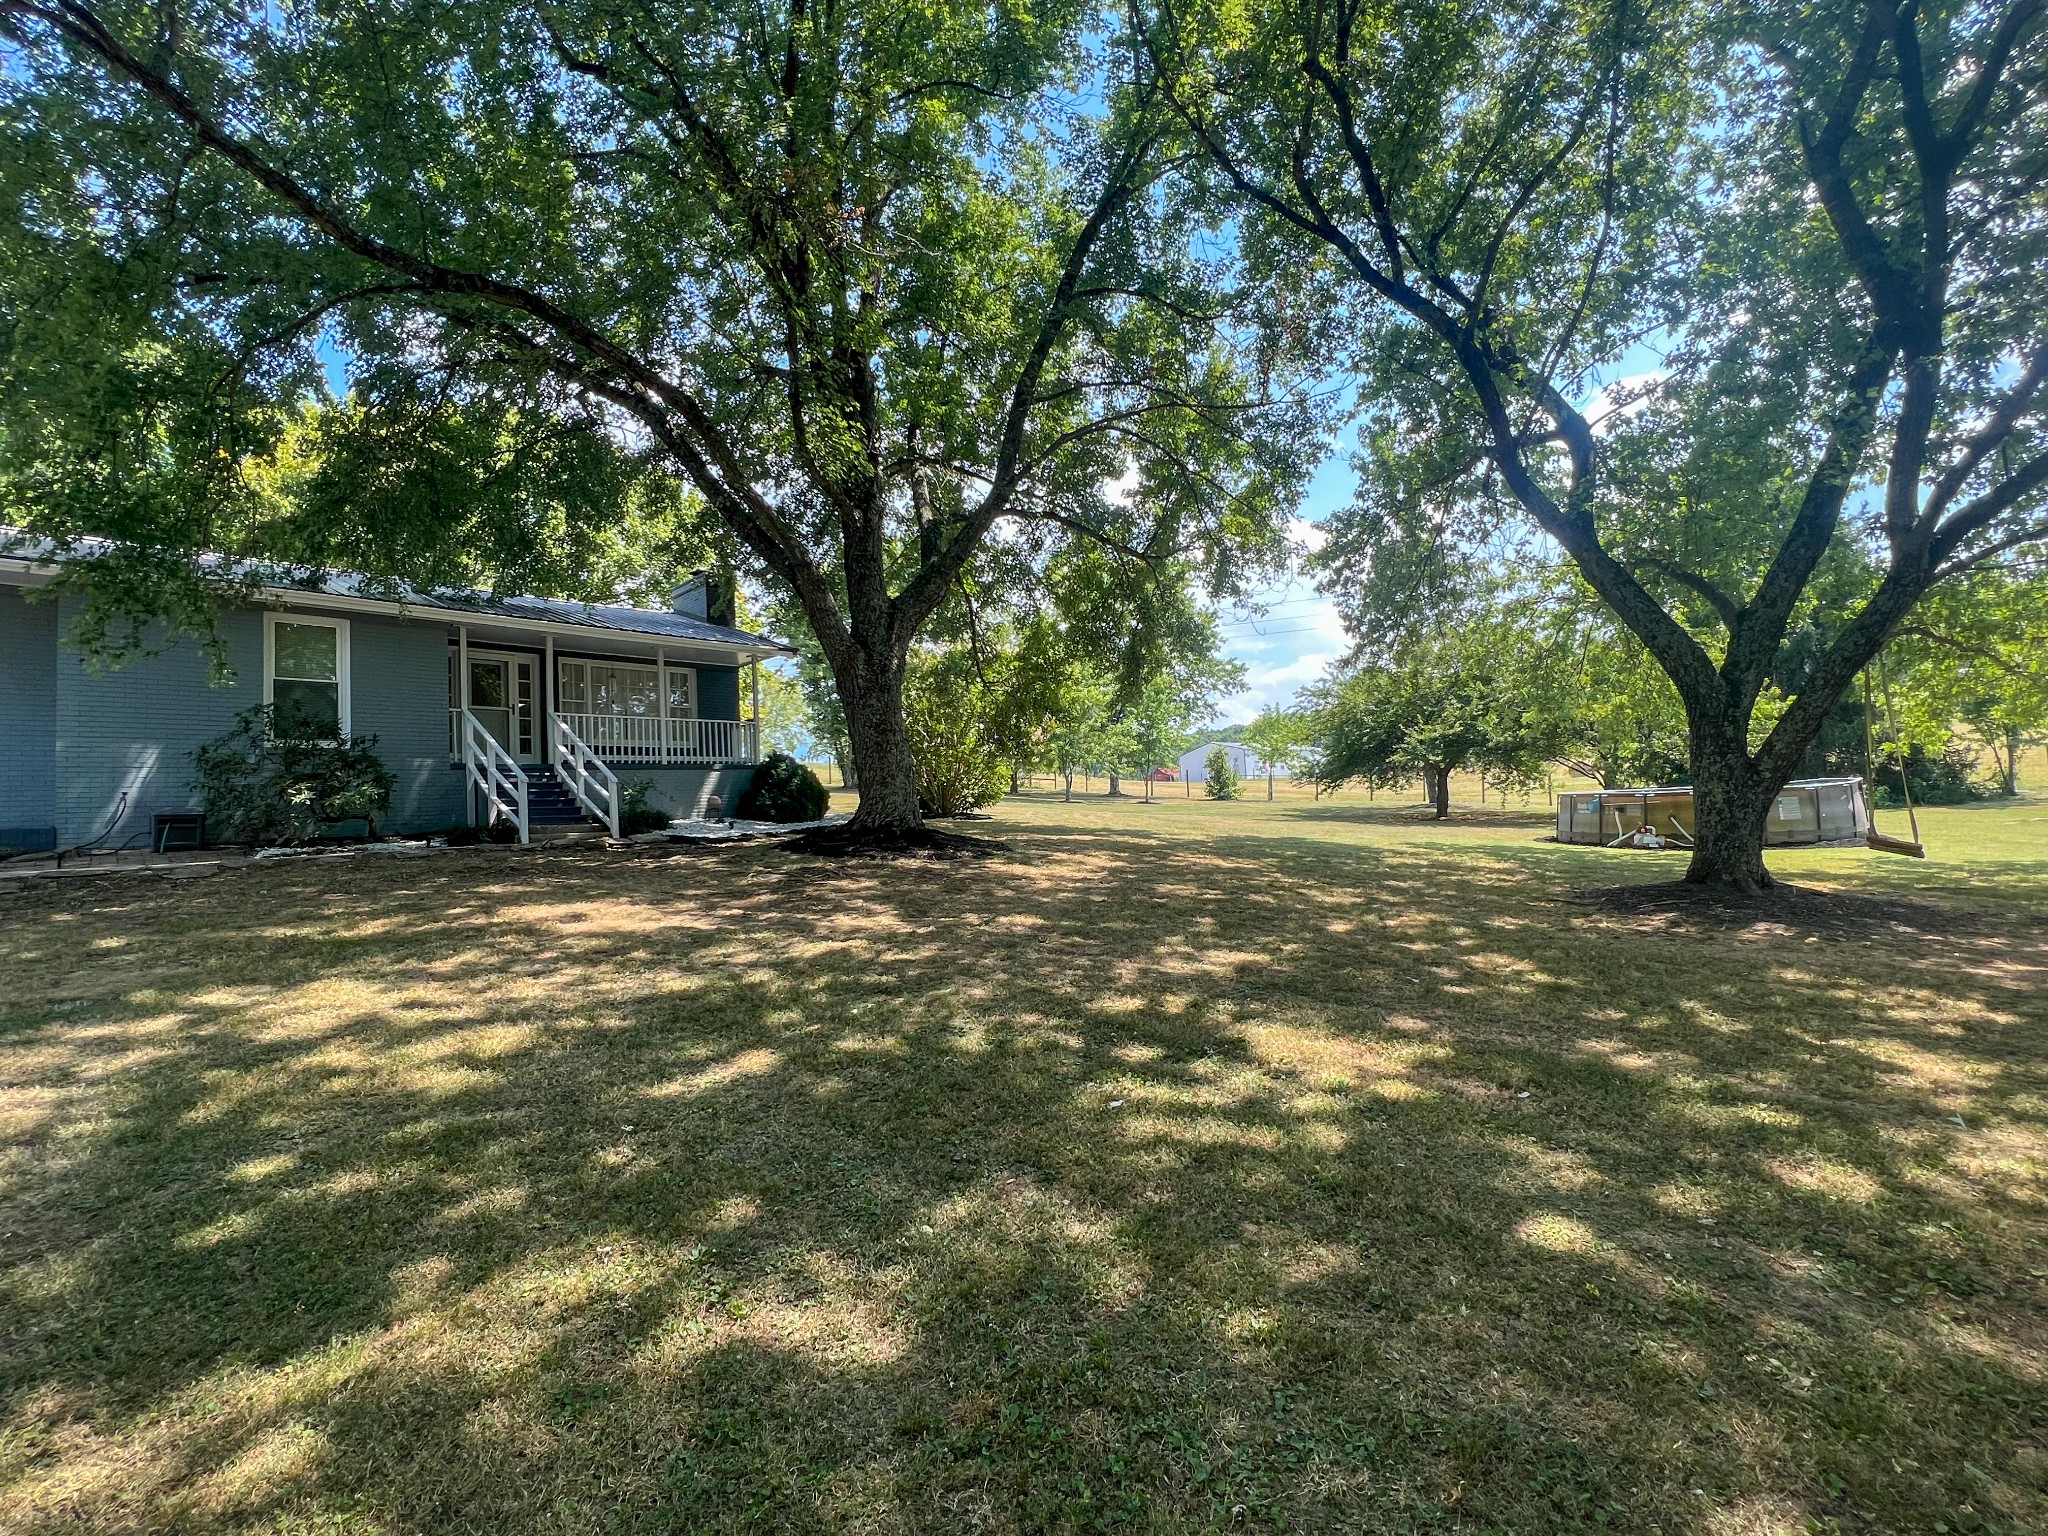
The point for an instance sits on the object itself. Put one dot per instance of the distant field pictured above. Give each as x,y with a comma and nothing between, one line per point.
1189,1167
1962,836
1465,787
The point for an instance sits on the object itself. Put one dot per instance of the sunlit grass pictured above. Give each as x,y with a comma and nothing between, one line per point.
1191,1166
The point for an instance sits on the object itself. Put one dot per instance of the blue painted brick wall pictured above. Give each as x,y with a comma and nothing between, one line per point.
28,709
133,730
73,740
136,729
718,693
686,792
400,696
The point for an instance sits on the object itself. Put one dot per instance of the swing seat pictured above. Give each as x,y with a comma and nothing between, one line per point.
1883,844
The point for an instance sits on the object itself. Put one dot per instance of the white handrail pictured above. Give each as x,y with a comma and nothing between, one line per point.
595,786
655,739
498,774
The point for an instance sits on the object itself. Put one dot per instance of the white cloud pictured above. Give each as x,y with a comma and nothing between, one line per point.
1310,536
1121,491
1625,397
1289,645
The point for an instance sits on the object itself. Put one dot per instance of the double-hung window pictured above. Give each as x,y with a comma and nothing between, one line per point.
305,675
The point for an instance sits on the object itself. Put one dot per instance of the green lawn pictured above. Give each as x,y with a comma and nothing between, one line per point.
1189,1167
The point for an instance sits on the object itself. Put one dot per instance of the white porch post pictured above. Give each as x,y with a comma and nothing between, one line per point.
547,695
665,736
461,702
754,746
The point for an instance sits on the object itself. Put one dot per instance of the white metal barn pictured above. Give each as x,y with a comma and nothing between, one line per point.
1194,763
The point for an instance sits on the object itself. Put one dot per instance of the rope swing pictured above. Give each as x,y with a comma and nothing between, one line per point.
1914,849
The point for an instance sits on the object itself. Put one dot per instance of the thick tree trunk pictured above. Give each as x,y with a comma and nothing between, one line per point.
1438,782
868,671
881,745
1730,804
1116,785
868,649
1733,787
1729,824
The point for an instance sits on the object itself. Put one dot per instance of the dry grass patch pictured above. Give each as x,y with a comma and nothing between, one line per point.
1304,1166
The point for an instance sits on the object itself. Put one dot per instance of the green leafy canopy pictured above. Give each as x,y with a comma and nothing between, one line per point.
1831,219
870,278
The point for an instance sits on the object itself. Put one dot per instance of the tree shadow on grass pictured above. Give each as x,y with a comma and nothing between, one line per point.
1121,1182
1785,909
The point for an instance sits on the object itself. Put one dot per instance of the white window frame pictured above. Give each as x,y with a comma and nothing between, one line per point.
514,660
661,671
695,704
341,665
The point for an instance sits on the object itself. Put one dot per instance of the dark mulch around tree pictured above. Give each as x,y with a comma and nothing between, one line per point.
848,841
1781,911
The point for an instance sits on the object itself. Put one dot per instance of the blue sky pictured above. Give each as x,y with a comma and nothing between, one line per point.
1294,641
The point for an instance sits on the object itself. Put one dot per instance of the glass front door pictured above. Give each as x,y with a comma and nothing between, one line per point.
500,695
490,698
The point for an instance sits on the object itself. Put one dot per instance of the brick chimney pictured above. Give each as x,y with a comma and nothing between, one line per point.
692,598
707,595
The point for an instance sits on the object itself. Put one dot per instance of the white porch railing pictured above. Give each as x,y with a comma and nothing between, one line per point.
595,786
650,739
496,772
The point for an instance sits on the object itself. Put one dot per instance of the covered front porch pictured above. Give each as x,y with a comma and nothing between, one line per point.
543,722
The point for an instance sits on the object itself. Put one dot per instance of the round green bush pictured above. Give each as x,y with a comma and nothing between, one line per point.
782,789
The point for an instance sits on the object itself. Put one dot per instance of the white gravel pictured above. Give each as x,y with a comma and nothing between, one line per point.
730,830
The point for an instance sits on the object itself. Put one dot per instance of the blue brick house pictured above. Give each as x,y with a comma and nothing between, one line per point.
529,709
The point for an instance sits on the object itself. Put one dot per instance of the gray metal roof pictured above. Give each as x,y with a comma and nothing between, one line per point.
644,621
661,623
665,623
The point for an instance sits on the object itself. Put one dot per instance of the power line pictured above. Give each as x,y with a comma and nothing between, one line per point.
1292,602
1271,634
1245,625
1280,618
